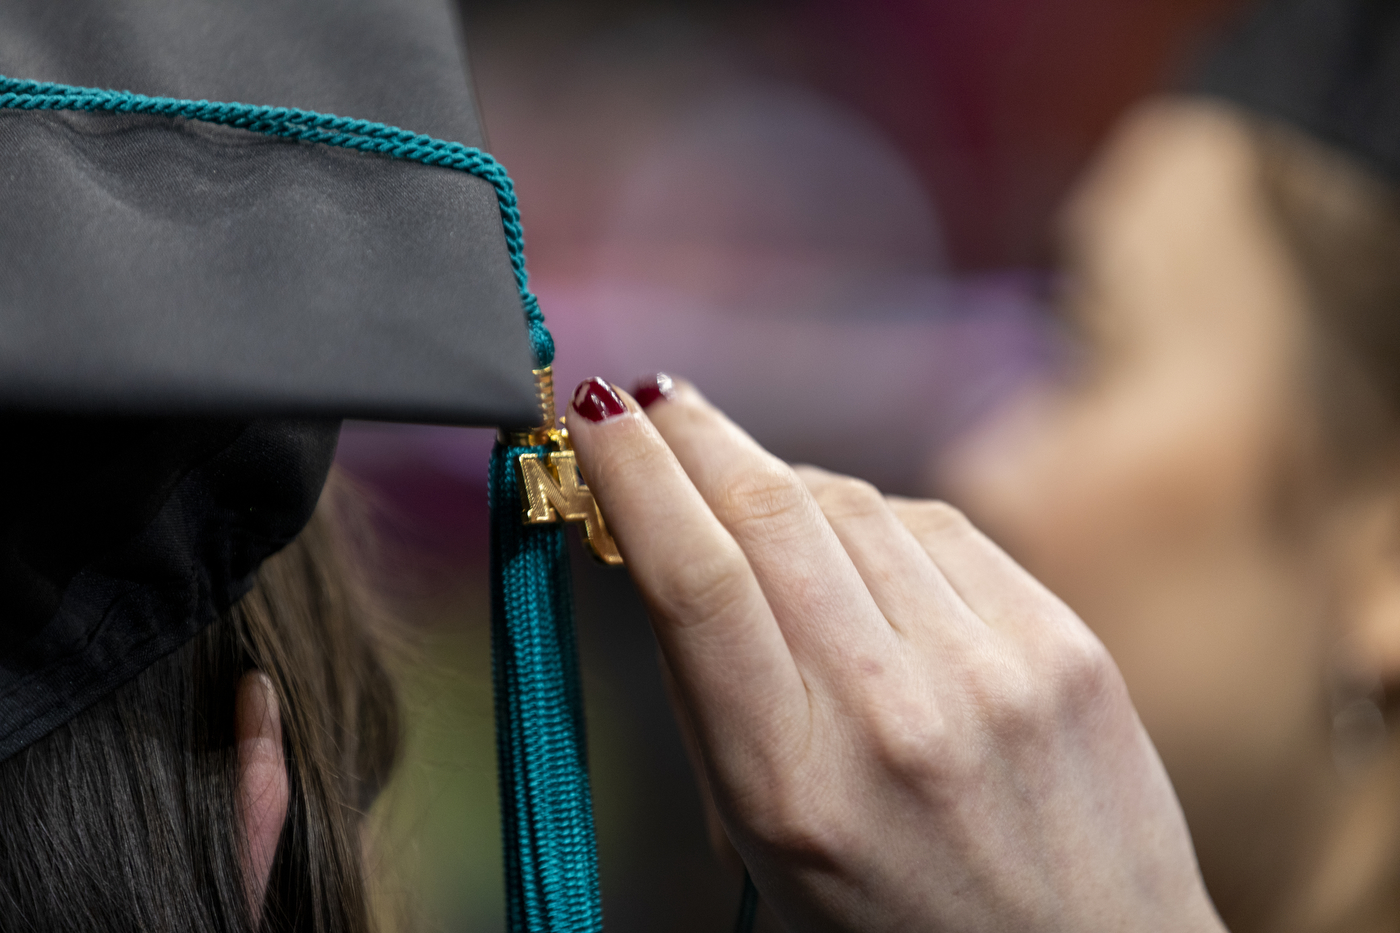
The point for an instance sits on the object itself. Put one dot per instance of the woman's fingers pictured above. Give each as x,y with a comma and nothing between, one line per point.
908,587
994,586
933,787
710,614
814,590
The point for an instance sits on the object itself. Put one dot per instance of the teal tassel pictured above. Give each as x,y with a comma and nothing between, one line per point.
546,804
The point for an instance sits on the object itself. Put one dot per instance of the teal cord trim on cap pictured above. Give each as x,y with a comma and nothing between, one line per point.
311,127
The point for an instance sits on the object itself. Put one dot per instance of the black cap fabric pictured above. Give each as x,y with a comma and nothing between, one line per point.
156,264
187,310
1329,67
121,538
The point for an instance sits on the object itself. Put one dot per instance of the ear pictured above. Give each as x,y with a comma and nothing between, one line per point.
262,781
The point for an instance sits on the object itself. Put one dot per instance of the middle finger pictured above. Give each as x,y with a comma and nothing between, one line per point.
910,589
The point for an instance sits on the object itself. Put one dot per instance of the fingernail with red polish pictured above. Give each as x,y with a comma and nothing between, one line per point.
654,388
596,401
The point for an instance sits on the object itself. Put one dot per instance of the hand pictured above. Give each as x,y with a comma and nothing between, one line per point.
900,728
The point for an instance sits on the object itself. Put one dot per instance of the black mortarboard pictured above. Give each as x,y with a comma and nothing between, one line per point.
228,224
174,291
1329,67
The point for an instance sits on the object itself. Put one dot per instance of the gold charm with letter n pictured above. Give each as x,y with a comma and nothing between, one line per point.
553,488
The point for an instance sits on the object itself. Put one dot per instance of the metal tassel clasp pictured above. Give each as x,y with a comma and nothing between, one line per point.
552,487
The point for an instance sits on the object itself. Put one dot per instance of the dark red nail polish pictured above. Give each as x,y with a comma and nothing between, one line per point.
596,401
654,388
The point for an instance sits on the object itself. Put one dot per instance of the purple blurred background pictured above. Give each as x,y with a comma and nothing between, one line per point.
834,217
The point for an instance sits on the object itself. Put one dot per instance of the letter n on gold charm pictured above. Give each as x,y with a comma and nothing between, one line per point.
554,491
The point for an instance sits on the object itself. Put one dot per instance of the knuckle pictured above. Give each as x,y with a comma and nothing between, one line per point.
848,497
798,828
1084,675
1012,703
696,591
1017,713
762,496
1025,702
936,517
916,748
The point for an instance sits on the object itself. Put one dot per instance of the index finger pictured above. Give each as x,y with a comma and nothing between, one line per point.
721,641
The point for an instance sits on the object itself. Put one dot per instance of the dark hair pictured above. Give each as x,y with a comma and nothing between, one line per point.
1340,220
126,819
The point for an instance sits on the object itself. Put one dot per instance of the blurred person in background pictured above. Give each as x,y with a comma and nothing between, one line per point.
901,728
1215,493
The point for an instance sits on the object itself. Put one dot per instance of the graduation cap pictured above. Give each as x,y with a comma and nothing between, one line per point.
226,227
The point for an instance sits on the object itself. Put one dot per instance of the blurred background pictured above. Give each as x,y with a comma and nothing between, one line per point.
837,219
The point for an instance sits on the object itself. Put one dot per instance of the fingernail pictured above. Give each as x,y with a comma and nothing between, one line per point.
596,401
654,388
